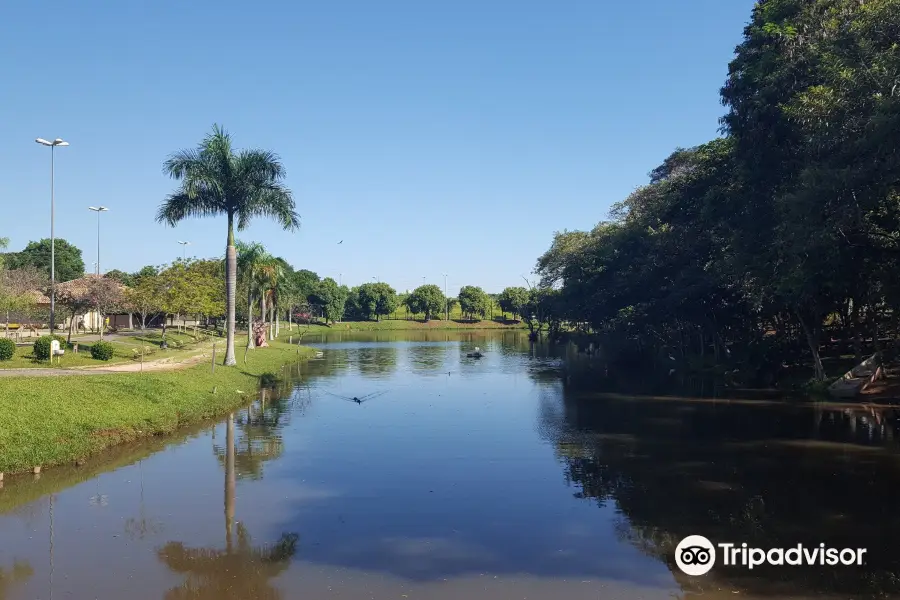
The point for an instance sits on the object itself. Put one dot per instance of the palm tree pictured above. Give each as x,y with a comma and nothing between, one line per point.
270,273
217,180
250,256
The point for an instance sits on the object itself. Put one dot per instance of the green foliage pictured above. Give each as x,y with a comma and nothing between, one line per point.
331,297
120,276
512,299
7,349
42,346
68,261
473,301
305,282
372,300
102,350
773,230
427,300
191,287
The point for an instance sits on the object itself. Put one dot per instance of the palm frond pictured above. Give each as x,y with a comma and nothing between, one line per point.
259,165
274,201
180,205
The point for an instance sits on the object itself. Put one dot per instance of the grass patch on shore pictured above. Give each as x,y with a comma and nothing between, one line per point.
403,324
125,350
55,420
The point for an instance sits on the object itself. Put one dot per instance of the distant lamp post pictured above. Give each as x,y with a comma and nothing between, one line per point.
53,145
98,210
340,279
446,299
184,246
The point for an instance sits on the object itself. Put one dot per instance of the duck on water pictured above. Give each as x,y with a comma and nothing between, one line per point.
476,354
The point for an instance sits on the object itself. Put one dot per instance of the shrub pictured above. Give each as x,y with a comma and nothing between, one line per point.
42,346
7,349
102,351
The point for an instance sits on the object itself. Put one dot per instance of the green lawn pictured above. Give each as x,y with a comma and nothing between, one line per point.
52,420
124,351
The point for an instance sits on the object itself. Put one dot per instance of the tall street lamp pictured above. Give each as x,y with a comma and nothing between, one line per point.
446,299
184,246
98,210
53,145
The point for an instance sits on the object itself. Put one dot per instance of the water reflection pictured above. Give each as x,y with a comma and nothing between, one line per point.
529,472
260,439
768,475
19,572
239,571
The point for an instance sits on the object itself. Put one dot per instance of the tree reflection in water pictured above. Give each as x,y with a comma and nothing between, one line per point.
18,573
260,439
769,474
240,571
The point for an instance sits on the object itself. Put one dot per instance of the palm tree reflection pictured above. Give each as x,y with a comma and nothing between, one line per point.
239,571
260,438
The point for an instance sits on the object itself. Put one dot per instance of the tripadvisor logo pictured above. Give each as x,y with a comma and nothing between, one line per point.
696,555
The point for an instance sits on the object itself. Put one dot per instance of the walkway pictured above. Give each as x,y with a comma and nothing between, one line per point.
169,363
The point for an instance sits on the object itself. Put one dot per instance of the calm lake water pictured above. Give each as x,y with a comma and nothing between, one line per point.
530,473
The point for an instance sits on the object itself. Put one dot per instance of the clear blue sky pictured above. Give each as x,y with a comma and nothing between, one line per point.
431,137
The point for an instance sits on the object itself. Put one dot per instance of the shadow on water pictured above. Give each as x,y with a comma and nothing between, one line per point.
533,464
770,475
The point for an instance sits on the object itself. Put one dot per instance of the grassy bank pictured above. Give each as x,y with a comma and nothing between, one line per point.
49,420
125,350
403,324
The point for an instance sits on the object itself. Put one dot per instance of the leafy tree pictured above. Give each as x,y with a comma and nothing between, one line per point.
217,180
19,289
512,299
104,295
332,298
305,282
427,300
148,271
68,261
374,300
473,302
191,287
120,276
145,297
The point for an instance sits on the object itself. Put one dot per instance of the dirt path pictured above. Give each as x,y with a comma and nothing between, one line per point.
170,363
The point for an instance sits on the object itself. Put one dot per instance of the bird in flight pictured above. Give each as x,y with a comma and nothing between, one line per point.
358,399
341,242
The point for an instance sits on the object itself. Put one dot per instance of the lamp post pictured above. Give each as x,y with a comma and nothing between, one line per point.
184,246
98,210
340,279
446,299
53,145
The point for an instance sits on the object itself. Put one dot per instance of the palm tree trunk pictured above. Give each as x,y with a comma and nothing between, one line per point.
272,320
277,322
262,311
230,289
250,342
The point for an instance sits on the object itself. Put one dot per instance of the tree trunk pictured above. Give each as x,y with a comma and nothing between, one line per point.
277,323
857,335
812,338
262,309
230,289
251,343
272,320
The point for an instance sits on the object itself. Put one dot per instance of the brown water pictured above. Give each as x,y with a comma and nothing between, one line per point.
529,473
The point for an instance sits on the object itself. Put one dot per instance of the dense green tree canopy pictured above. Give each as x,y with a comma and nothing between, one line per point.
473,301
748,247
426,300
68,260
512,299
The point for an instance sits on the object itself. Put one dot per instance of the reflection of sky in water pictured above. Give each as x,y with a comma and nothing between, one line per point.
461,468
